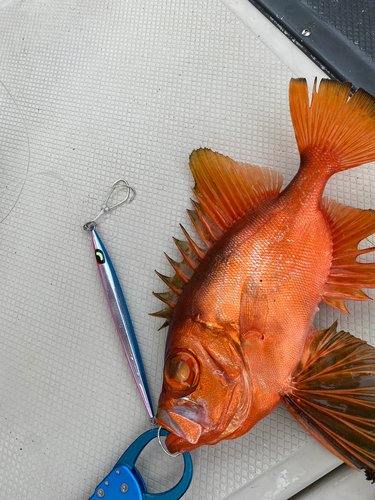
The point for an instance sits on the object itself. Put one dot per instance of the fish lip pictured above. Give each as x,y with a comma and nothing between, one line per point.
164,420
192,417
177,444
190,401
192,411
174,442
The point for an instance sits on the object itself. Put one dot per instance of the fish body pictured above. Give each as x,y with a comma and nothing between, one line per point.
240,311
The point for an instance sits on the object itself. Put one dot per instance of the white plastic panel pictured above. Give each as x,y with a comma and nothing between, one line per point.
99,91
344,483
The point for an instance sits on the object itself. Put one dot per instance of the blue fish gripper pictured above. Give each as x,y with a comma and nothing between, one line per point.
126,483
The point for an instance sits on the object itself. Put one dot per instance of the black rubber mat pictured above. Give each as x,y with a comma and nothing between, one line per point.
339,35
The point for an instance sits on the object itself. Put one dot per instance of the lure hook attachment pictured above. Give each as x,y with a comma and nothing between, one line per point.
129,197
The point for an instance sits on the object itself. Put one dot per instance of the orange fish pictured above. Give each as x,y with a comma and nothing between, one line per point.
240,310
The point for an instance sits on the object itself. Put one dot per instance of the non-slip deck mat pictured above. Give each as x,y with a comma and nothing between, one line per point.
338,35
353,19
95,91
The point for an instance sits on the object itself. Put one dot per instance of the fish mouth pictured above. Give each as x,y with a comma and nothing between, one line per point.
191,425
186,424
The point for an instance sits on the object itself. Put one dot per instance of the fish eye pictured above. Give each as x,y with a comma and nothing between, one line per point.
181,372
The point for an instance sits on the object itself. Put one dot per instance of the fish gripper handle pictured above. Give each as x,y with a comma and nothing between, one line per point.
125,482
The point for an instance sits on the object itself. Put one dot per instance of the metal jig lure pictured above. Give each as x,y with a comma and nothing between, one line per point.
115,297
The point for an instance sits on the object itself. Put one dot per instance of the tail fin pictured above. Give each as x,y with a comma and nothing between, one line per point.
332,395
341,126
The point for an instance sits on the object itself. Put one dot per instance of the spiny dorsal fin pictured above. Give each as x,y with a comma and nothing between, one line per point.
165,314
332,394
187,252
225,191
349,226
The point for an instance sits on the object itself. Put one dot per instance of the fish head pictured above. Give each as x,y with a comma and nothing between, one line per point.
207,390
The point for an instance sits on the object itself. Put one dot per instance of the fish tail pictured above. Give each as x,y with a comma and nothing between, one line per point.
333,124
332,394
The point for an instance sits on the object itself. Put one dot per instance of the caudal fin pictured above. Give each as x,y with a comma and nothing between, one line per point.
341,126
332,395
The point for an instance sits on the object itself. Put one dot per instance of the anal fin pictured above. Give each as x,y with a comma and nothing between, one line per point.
332,395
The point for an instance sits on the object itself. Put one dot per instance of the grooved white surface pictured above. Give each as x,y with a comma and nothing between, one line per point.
107,90
344,483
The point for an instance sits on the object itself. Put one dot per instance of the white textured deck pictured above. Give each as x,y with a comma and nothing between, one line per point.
91,92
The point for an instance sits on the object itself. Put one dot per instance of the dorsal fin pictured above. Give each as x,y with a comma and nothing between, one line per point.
349,226
225,191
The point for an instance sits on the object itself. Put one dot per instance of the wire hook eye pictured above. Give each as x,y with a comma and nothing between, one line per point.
129,197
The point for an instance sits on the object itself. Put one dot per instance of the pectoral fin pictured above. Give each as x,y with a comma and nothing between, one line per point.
253,309
333,396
